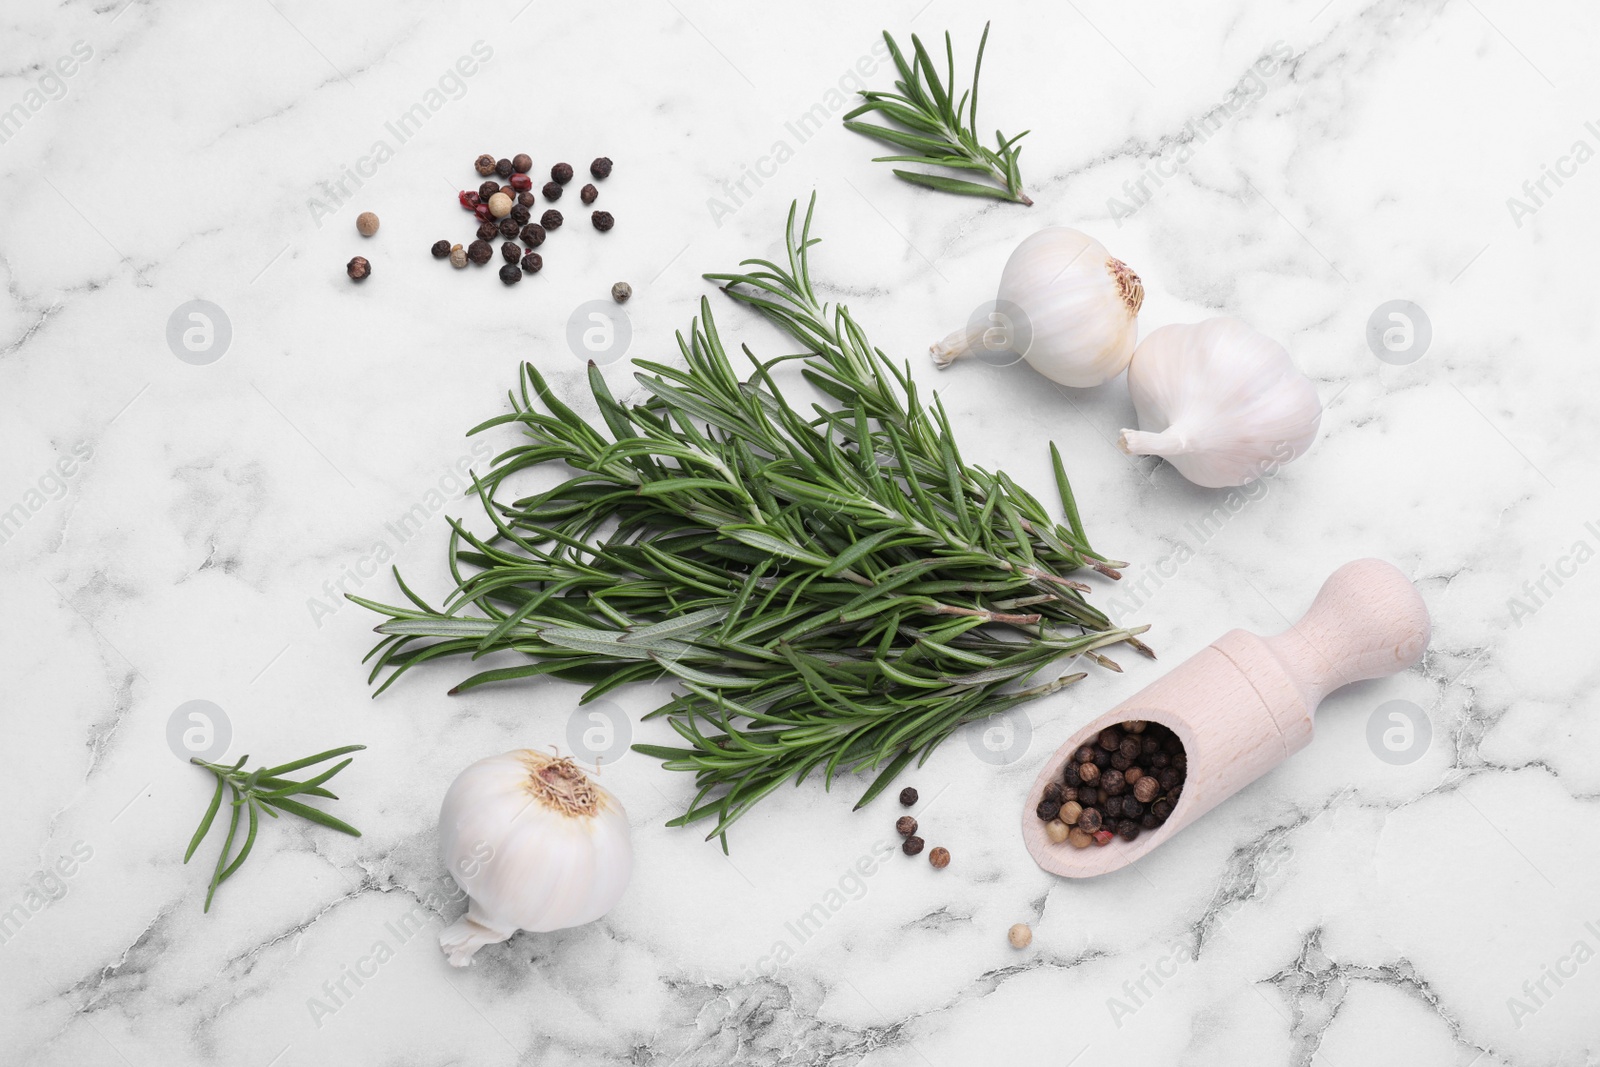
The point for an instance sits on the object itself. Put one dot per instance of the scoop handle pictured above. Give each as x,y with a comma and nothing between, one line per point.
1368,621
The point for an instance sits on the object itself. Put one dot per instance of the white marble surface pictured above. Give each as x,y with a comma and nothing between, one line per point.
1342,911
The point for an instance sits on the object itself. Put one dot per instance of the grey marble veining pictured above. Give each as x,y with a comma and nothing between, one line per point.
182,527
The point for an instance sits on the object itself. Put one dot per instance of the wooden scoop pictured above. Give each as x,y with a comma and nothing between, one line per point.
1244,704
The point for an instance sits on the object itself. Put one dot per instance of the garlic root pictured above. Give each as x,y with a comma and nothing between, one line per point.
964,341
466,936
1147,443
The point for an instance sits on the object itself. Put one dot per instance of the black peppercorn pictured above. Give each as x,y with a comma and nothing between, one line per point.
1135,726
908,796
602,220
588,194
532,235
1131,808
1160,760
522,162
1130,747
1161,809
601,167
510,274
1102,758
1083,754
551,220
1121,762
1089,773
510,252
485,165
1110,738
1149,746
520,214
488,231
1089,820
1048,809
1068,794
358,268
939,858
486,190
532,262
1180,761
1127,829
441,249
912,845
906,825
526,199
1069,775
503,168
1168,778
507,227
480,252
1052,791
1149,822
562,172
551,191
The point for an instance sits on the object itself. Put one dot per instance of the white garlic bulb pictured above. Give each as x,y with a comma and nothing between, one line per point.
535,843
1065,305
1220,402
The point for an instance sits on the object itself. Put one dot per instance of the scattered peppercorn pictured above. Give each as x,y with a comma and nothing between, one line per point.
601,167
588,193
521,183
366,224
510,252
940,858
1019,935
551,191
508,227
912,845
486,190
602,220
485,164
521,214
500,205
906,825
621,291
510,274
440,249
551,220
480,252
358,268
908,796
503,168
522,163
458,256
532,262
532,235
562,172
488,231
526,200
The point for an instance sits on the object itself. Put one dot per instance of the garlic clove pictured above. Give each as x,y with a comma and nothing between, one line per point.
1221,402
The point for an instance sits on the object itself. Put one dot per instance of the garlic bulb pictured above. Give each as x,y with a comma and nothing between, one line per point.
1065,305
537,846
1220,402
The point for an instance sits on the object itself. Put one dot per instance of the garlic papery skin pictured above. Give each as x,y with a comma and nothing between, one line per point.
1065,305
535,843
1219,401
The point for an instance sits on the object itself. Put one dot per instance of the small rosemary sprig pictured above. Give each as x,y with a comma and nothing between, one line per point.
941,129
260,792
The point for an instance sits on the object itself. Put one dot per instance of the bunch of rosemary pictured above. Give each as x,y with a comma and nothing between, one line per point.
831,590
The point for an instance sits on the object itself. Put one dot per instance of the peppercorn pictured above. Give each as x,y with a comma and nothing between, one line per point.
1102,758
912,845
458,256
469,199
1149,747
1048,809
510,252
482,211
532,235
551,220
358,268
1160,760
1113,808
480,252
520,215
1145,789
1069,775
1089,773
1127,829
1113,783
521,183
1132,775
1056,831
1135,726
1019,935
551,191
1103,837
621,291
488,231
532,262
1052,791
488,189
1083,754
1162,809
940,858
1130,747
1089,820
562,172
1069,812
588,194
602,220
906,825
484,164
1068,793
507,227
510,274
440,249
500,205
601,167
1079,838
1131,808
526,200
522,163
1149,822
366,224
1180,761
908,796
503,168
1168,778
1110,738
1121,762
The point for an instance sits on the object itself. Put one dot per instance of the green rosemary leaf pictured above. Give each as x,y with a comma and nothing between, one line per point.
227,846
205,822
308,761
952,185
310,814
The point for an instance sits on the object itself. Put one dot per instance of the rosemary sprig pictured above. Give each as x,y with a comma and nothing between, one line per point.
264,791
832,591
937,129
